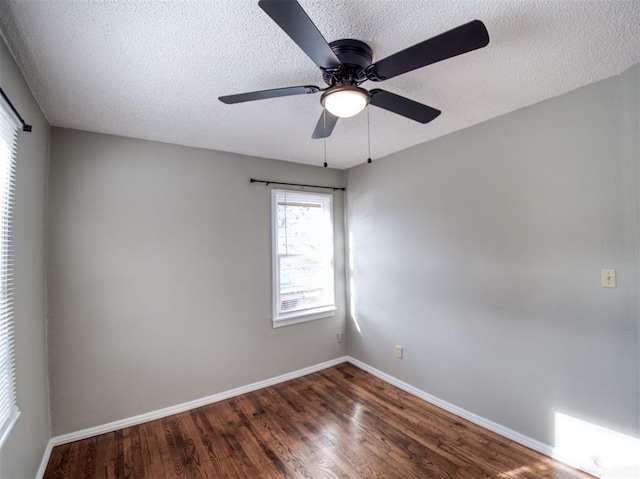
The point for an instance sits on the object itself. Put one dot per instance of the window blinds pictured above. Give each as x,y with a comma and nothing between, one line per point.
8,144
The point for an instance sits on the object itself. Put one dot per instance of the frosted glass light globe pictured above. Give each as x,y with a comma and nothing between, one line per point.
345,101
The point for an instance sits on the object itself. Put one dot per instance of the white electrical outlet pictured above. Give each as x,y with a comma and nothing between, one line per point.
339,337
608,278
398,352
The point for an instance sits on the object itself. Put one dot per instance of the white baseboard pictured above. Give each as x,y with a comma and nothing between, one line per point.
45,460
538,446
458,411
168,411
160,413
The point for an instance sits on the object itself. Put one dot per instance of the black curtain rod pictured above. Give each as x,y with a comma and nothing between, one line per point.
25,127
267,182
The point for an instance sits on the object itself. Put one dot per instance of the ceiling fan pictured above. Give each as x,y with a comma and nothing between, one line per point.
345,64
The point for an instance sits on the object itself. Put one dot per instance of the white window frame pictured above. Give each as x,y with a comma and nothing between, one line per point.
9,411
294,317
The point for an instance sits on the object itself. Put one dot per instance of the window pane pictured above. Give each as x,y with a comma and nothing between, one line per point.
304,252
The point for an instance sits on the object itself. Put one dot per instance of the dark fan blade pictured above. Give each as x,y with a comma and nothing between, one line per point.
462,39
325,125
290,16
263,94
403,106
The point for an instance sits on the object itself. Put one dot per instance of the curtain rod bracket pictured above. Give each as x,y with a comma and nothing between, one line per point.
25,126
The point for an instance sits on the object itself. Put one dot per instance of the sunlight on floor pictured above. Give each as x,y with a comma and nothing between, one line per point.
607,453
544,468
514,473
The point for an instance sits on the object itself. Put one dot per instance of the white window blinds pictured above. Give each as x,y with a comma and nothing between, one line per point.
303,254
8,143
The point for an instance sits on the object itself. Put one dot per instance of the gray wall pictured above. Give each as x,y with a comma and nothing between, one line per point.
21,455
160,277
631,147
480,253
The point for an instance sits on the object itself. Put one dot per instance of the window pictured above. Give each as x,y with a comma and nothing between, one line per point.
303,279
8,407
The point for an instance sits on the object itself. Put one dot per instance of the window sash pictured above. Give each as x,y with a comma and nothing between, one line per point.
8,143
303,279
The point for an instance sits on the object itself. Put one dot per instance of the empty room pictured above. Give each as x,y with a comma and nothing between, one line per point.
320,239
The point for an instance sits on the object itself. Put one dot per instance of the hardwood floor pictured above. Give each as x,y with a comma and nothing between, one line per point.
338,423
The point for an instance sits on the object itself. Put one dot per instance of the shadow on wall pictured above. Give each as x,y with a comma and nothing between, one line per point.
607,453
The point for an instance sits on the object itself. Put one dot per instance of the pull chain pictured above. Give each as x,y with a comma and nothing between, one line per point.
324,140
368,135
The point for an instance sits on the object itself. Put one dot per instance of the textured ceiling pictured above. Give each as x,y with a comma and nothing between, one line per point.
154,70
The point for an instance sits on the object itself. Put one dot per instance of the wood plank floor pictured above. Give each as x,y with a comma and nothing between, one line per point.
338,423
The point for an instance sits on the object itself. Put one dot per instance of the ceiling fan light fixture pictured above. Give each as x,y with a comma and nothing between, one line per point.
345,101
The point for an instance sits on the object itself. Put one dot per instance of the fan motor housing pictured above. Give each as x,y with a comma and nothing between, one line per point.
355,57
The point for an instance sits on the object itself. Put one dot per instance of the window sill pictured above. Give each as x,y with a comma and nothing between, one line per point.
10,425
304,316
